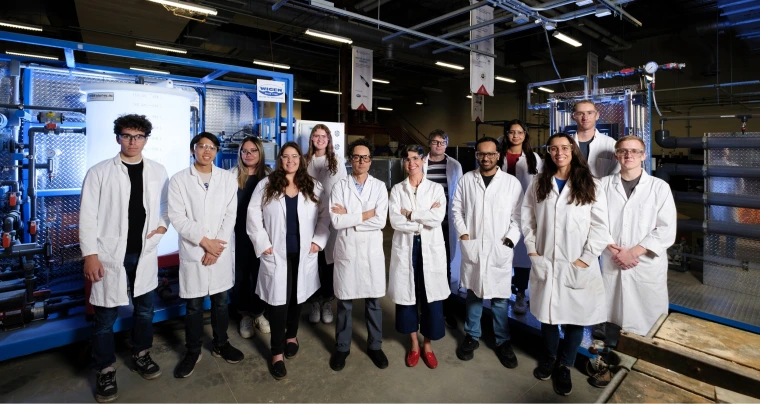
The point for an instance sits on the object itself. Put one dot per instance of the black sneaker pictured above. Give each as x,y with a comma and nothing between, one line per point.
228,353
599,331
378,358
545,369
278,370
506,355
291,350
145,366
106,390
338,360
187,364
466,350
561,380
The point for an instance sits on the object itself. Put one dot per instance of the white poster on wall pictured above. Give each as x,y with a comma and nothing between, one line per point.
477,107
270,90
481,66
361,85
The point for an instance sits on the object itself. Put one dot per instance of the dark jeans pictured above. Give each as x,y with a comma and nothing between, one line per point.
520,280
220,318
286,316
244,297
449,305
373,314
326,290
103,349
570,344
430,319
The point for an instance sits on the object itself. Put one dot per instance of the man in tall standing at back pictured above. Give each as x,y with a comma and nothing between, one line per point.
119,237
445,170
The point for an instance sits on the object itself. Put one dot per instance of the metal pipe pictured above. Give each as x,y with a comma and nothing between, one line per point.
614,383
719,227
731,84
38,107
194,114
463,30
619,10
746,265
439,19
584,79
551,4
279,4
32,180
514,30
711,198
672,142
690,170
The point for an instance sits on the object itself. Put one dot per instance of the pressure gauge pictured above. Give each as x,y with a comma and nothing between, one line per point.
53,153
651,67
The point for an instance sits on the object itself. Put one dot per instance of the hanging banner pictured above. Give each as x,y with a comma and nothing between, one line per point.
361,85
477,105
481,67
270,90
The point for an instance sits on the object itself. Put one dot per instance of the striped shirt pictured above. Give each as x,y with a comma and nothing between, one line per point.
436,172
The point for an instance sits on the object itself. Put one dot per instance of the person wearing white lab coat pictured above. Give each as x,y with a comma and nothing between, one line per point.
521,162
288,226
445,170
417,275
358,212
328,168
564,221
597,148
486,213
642,220
203,207
122,217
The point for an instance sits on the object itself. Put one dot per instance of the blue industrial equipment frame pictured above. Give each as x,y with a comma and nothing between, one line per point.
63,329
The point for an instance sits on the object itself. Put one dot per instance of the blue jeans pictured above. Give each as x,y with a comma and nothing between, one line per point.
103,349
570,344
474,307
220,319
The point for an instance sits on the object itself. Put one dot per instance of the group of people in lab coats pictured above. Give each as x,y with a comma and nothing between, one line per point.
308,232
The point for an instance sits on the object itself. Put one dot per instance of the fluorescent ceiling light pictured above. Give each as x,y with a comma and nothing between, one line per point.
437,90
270,64
186,6
548,90
564,38
385,109
418,103
381,81
20,25
449,65
142,69
602,11
160,47
614,61
507,79
301,100
330,92
469,95
31,55
581,3
327,36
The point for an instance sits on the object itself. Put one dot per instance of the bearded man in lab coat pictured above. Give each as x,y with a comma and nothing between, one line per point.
118,237
486,212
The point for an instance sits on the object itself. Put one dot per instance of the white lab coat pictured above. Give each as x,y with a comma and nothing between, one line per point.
197,213
489,215
267,227
359,257
601,155
638,296
561,232
521,259
317,168
453,174
103,224
426,222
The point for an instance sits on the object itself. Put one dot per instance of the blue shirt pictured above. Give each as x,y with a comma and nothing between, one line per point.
292,239
560,183
359,187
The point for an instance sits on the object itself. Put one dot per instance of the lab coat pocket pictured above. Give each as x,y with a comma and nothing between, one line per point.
470,253
108,246
539,268
578,278
310,263
152,243
502,257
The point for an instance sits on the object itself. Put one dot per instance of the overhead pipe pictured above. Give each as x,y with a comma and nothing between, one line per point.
720,227
42,108
467,28
509,31
438,19
671,142
690,170
719,85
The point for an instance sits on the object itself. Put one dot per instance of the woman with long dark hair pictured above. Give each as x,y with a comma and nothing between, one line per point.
523,163
288,227
328,168
249,171
564,221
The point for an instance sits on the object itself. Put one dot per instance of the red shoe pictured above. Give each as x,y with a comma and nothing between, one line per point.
430,360
412,358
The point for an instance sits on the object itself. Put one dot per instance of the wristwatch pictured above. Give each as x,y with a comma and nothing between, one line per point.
509,243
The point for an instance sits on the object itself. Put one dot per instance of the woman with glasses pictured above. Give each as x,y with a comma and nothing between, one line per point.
202,207
523,163
417,278
564,221
327,168
288,227
249,171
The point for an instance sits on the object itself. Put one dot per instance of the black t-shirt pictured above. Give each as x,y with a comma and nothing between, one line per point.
136,209
487,179
243,198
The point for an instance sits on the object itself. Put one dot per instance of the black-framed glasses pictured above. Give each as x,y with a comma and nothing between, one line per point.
126,138
438,142
361,157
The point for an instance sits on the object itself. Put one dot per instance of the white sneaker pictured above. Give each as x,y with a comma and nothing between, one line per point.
246,327
262,324
521,304
327,314
314,316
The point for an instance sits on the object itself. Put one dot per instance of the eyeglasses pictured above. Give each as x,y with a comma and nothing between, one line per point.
516,133
566,148
290,156
438,143
205,147
581,114
632,152
251,152
413,159
490,155
129,138
357,158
